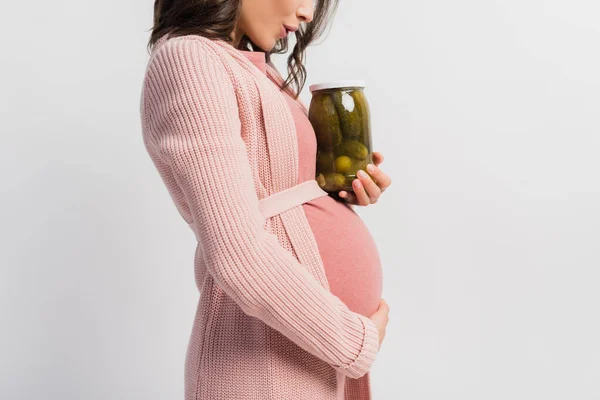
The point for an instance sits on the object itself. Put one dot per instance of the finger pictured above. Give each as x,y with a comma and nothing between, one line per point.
384,305
377,157
347,196
382,179
371,187
362,197
350,198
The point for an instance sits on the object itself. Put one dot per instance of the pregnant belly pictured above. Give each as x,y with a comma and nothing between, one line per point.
349,254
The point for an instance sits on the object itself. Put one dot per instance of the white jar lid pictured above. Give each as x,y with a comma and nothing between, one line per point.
336,84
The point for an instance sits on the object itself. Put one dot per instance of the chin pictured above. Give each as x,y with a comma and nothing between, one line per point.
266,44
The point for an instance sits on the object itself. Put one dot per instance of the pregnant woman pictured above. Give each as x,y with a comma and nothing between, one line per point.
289,277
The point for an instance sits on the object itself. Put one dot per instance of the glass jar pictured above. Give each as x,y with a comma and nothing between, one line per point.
339,114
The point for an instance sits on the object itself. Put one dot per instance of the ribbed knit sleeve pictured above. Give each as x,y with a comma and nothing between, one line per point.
191,119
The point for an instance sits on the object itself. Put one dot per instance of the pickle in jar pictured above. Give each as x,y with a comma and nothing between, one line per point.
325,121
331,181
353,149
356,165
350,117
325,161
343,164
362,109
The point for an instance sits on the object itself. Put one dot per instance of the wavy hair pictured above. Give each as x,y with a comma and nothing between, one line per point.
216,19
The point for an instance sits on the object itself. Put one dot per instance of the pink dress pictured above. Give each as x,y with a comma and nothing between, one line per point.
350,256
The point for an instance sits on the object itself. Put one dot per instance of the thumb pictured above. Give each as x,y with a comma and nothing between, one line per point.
383,306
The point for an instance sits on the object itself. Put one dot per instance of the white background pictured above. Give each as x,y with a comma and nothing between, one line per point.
488,115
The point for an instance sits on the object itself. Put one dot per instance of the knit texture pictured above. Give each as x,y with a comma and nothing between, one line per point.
221,137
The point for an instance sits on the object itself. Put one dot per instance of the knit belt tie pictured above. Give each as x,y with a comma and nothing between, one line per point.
285,200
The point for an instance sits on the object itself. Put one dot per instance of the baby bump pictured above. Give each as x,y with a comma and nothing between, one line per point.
349,254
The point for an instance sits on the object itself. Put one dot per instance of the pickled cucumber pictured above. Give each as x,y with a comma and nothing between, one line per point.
356,165
331,181
352,149
325,161
325,121
350,117
343,164
362,107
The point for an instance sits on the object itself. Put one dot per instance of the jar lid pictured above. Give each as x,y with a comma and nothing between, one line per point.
336,84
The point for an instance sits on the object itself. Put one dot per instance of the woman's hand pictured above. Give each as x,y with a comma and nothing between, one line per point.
366,191
381,318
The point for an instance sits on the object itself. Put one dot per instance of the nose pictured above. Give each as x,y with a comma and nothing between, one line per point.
305,11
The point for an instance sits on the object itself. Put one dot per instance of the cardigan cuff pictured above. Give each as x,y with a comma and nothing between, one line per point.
370,346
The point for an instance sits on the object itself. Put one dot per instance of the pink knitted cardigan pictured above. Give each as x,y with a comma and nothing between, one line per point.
222,137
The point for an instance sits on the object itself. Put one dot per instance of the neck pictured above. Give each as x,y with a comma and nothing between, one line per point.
236,36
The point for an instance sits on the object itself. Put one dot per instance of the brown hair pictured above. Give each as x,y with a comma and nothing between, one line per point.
215,19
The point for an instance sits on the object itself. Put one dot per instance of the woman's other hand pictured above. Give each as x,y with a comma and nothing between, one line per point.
381,318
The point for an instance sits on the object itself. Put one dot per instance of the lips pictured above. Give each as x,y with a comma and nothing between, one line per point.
285,29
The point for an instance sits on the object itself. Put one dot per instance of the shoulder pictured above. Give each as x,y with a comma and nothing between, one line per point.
187,53
186,83
174,43
187,71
